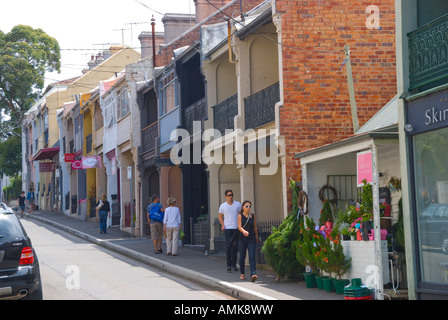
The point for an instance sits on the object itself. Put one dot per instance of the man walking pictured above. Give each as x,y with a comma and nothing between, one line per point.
155,219
228,218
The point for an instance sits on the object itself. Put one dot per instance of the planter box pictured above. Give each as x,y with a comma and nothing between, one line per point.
363,256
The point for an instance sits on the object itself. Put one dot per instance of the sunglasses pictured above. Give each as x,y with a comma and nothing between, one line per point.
247,206
229,195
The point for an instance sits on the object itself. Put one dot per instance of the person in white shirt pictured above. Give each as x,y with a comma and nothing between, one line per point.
172,224
228,218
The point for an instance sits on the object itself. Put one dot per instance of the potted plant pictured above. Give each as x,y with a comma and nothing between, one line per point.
305,250
279,249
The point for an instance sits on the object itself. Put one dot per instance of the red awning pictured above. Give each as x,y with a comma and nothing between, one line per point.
46,154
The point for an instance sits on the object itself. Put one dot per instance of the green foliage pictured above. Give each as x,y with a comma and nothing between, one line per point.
13,190
325,213
398,228
25,55
11,156
307,245
337,263
279,249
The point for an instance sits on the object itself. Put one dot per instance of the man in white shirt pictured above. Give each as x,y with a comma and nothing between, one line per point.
228,218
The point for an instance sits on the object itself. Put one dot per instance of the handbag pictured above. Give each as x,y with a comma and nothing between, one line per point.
155,213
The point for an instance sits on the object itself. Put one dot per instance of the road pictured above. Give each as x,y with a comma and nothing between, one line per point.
74,269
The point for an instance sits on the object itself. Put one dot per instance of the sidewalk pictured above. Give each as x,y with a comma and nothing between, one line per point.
191,264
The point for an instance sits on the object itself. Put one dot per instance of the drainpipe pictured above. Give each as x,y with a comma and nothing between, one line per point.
153,24
229,32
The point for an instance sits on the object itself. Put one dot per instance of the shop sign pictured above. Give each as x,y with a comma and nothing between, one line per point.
428,113
91,162
364,167
69,157
77,165
46,166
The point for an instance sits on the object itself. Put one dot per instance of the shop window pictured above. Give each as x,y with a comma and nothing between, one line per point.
431,204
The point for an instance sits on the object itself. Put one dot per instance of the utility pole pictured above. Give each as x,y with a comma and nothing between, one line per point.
351,89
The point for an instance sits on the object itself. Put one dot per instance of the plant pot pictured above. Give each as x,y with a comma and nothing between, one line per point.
328,284
310,280
339,285
319,282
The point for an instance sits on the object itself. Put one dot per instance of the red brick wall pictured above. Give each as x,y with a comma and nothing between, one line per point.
316,100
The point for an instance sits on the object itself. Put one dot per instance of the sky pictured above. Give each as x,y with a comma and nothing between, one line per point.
86,27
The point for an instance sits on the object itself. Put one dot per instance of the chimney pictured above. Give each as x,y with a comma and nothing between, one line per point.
205,9
177,23
146,42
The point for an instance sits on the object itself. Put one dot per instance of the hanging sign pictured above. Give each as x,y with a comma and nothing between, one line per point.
77,165
69,157
46,166
364,167
91,162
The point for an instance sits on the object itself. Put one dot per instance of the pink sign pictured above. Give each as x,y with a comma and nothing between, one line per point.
364,167
77,165
91,162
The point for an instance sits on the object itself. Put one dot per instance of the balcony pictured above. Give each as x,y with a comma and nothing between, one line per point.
149,135
428,53
224,114
89,143
260,107
195,112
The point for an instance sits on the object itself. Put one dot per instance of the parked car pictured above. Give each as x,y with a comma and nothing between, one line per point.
19,266
434,226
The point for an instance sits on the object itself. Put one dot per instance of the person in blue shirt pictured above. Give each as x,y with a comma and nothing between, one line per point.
31,200
155,220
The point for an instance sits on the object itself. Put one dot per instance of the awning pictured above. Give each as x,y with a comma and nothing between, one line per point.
46,154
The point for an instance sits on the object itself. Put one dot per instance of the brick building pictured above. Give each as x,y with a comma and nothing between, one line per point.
316,104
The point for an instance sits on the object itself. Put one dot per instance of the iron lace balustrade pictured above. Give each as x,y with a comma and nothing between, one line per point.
149,135
428,53
89,143
260,107
224,114
194,112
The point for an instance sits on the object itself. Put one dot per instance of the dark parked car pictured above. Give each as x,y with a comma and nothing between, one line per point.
434,226
19,267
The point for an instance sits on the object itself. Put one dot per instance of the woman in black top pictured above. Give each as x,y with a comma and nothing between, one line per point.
103,208
248,239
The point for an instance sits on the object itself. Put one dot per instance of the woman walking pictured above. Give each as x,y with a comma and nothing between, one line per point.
172,223
248,239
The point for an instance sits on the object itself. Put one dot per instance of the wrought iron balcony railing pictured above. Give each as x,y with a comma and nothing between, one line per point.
428,53
195,112
260,107
224,114
149,135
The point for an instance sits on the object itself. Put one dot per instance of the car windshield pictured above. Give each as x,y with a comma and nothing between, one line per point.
9,229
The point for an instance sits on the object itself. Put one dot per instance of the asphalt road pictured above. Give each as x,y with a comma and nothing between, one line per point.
74,269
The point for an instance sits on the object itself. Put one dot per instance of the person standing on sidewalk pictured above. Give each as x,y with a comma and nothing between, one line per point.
103,209
21,203
228,218
155,219
172,224
248,239
31,200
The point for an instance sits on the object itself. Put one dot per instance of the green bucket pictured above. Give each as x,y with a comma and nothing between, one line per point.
340,284
310,279
320,283
329,284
